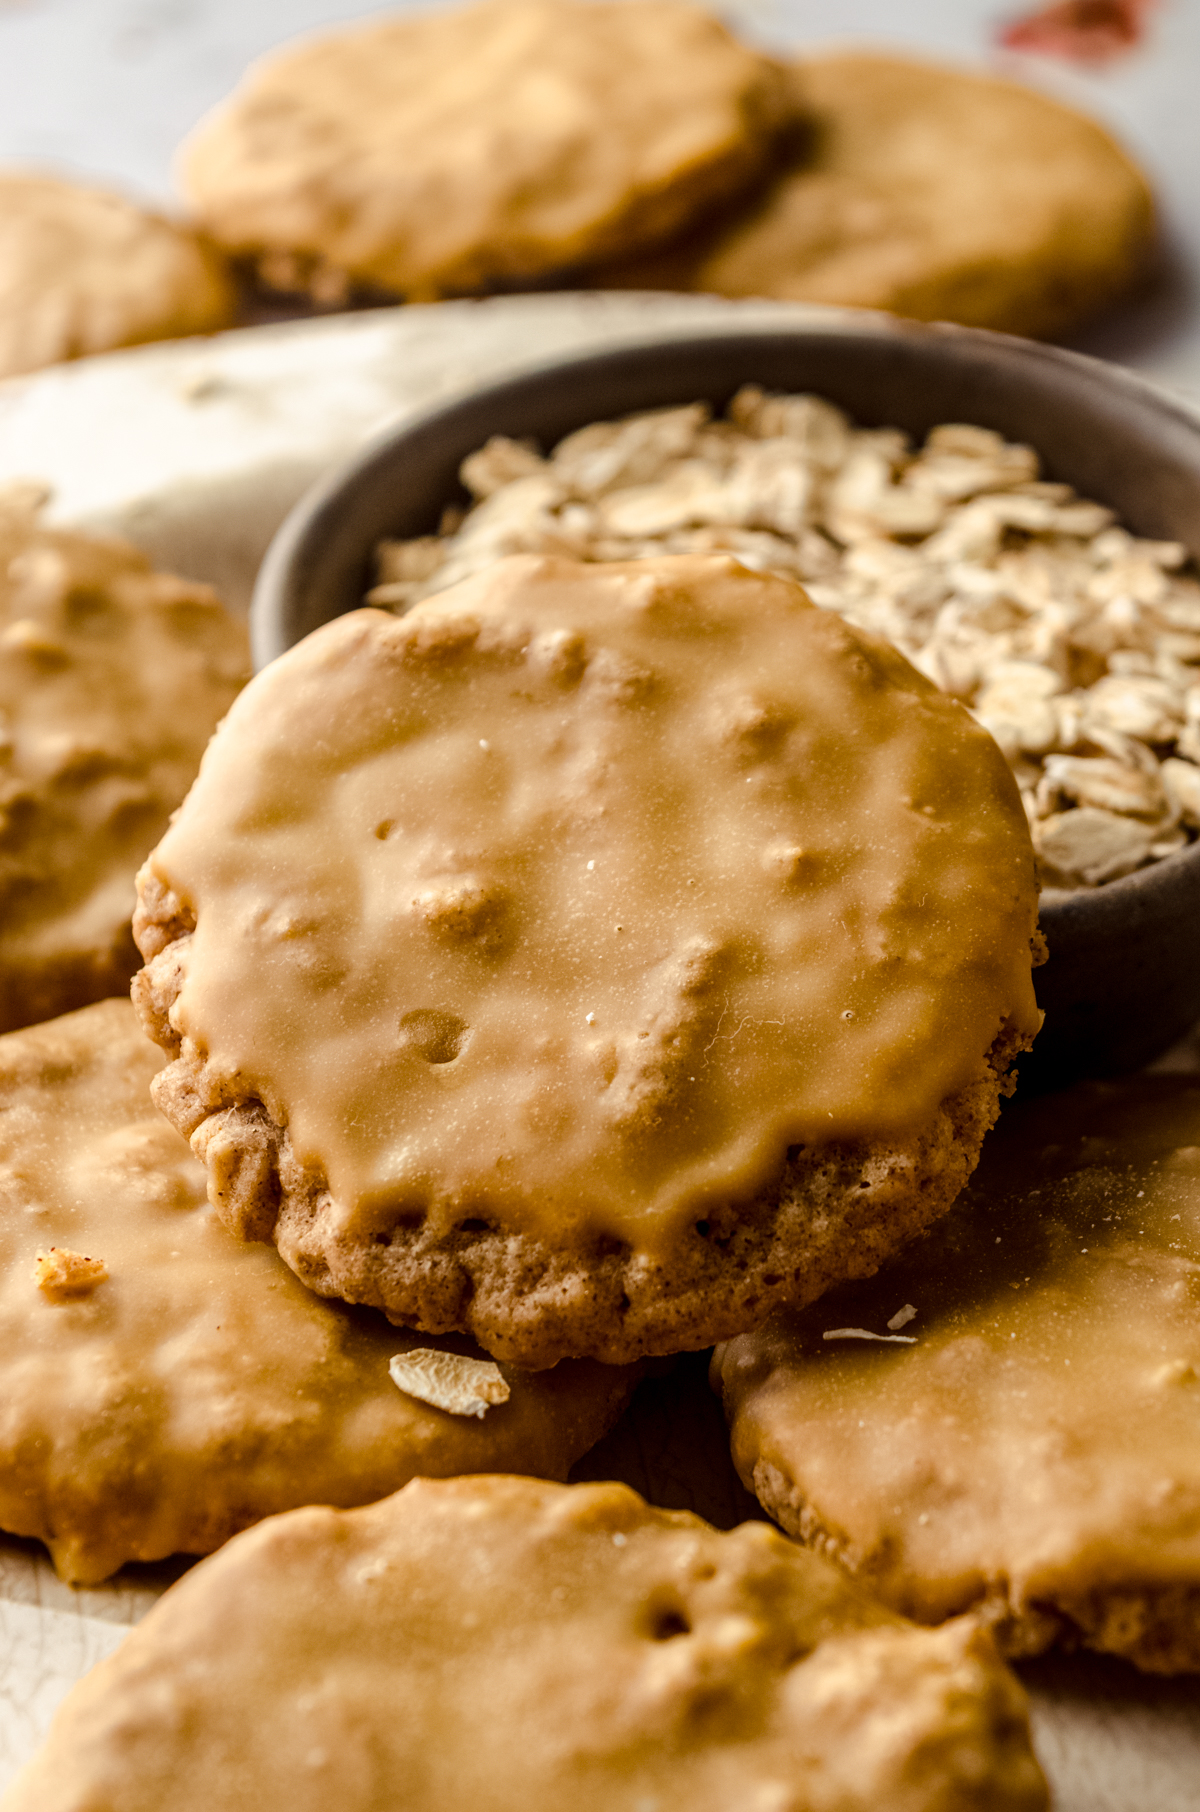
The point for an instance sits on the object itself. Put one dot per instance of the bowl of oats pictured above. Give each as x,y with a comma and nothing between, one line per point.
1023,523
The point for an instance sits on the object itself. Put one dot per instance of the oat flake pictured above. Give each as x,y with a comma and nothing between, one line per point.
449,1381
1074,642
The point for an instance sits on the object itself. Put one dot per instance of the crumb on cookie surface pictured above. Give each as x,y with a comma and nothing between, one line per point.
64,1276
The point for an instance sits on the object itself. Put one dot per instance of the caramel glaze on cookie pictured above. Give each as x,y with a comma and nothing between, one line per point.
112,678
1035,1453
435,153
502,1644
82,271
935,193
163,1385
592,957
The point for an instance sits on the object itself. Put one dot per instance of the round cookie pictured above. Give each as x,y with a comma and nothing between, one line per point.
1027,1444
163,1385
436,153
592,957
83,271
500,1643
112,679
936,194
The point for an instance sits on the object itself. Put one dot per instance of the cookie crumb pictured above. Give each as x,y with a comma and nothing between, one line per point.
64,1276
449,1381
902,1317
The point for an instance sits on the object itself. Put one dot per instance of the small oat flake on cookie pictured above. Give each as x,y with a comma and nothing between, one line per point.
1033,1456
439,152
591,958
450,1381
82,271
181,1386
504,1644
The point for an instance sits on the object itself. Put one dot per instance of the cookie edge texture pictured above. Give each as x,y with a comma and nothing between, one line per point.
1155,1626
523,1301
966,1742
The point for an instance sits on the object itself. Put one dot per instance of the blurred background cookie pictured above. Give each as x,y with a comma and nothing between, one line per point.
1006,1419
165,1385
444,151
501,1644
934,193
112,679
83,271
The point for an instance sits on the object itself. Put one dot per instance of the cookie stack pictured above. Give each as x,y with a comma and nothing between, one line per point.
166,1385
601,961
584,963
519,143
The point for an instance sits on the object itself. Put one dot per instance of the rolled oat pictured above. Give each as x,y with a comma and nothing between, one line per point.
1074,642
451,1381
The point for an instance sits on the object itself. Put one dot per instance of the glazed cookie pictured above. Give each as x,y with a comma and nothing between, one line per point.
112,678
591,958
164,1385
500,1643
440,152
936,194
1006,1419
82,271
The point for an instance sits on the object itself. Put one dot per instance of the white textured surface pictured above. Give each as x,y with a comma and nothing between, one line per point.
42,1654
198,449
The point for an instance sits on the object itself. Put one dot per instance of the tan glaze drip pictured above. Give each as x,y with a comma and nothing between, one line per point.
502,1644
197,1386
112,679
574,898
1037,1452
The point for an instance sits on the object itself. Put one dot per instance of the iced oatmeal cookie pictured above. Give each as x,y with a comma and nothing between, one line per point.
591,958
165,1385
1006,1420
436,153
83,271
112,677
500,1643
934,193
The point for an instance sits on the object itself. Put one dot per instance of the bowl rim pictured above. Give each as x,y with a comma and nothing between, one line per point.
1083,909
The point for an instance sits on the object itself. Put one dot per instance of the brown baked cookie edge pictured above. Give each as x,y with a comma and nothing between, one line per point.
1153,1625
838,1212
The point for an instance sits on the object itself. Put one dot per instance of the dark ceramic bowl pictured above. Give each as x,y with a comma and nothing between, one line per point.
1123,980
